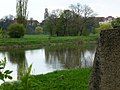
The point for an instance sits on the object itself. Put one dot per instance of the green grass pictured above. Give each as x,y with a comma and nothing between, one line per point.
75,79
44,39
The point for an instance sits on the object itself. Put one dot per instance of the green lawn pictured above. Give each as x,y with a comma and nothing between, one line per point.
45,40
75,79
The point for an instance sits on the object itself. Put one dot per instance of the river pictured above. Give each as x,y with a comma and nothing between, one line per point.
48,59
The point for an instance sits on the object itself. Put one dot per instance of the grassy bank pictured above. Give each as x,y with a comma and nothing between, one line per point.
43,40
76,79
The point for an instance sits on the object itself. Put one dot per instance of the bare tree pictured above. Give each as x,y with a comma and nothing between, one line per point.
76,8
87,11
77,11
84,13
82,10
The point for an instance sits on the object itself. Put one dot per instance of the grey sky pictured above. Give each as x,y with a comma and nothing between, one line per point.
36,7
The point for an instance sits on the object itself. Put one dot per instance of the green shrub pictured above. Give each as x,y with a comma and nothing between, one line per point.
103,26
16,30
39,30
116,23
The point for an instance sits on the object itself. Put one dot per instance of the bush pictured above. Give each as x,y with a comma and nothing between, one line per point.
16,30
39,30
103,26
116,23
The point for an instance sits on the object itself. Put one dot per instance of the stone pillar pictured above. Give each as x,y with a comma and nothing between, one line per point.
106,68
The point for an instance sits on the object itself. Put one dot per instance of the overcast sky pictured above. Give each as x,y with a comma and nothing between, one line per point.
36,7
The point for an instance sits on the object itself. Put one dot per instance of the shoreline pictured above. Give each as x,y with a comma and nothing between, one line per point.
37,41
37,46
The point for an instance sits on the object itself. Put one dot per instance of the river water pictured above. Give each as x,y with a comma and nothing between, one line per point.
48,59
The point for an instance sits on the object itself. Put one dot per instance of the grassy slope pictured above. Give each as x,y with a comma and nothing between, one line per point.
76,79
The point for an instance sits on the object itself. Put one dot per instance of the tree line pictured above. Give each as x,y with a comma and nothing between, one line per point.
77,20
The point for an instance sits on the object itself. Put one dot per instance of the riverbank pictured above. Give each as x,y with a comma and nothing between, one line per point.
75,79
36,41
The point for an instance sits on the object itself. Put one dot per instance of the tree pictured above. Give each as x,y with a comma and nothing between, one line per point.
6,21
50,23
48,27
76,9
89,21
71,21
84,16
82,10
78,20
116,23
87,12
66,15
21,10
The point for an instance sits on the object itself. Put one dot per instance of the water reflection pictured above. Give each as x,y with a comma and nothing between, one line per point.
70,57
37,59
18,58
15,59
66,57
87,58
48,59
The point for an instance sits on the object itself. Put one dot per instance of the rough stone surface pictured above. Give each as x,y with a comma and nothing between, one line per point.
106,68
